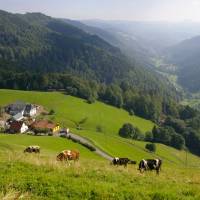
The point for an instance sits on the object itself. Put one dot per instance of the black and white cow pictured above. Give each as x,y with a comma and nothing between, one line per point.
150,164
32,149
122,161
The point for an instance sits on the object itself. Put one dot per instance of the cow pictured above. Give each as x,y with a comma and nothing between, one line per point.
122,161
32,149
67,155
150,164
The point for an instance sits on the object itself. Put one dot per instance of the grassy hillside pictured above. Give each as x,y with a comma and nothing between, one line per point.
69,110
33,177
50,146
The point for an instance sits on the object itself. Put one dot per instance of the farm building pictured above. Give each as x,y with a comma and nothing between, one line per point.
45,125
30,110
15,108
18,117
18,127
22,108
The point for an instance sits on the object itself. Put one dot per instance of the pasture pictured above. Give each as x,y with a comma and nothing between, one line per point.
50,146
69,111
33,177
41,177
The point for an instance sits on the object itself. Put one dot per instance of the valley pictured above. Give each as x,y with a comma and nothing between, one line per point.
110,97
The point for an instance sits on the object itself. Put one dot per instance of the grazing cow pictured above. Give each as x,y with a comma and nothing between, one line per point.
122,161
67,155
150,164
32,149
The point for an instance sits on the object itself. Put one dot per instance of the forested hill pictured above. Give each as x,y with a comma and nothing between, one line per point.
38,52
186,55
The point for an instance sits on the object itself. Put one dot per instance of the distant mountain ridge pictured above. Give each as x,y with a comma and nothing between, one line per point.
39,43
186,55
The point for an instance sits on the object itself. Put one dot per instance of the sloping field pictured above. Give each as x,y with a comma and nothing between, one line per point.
71,110
41,177
50,146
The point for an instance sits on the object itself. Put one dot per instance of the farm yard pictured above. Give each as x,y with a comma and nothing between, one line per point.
33,176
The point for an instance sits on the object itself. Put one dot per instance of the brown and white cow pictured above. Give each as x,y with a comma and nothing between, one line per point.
150,164
32,149
67,155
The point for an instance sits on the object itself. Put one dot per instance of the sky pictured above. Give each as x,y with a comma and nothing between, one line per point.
133,10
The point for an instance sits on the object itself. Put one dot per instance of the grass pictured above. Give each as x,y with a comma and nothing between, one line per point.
41,177
50,146
33,177
69,110
135,150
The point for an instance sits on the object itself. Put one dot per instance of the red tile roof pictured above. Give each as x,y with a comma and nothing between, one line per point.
43,124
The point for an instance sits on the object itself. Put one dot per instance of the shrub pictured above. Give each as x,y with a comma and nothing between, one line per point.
2,130
151,147
129,131
51,112
177,141
90,100
149,136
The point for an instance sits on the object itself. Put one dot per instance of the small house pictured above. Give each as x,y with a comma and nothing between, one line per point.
30,110
18,127
27,110
15,108
45,125
18,117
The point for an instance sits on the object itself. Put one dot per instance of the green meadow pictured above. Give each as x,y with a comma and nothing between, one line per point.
41,177
71,110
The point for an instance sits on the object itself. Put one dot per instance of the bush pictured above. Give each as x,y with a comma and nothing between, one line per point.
90,100
151,147
149,136
131,112
177,141
51,112
2,130
129,131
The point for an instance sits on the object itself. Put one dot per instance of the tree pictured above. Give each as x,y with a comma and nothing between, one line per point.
162,134
149,136
151,147
129,131
187,113
177,141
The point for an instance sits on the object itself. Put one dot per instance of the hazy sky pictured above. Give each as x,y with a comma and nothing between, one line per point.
170,10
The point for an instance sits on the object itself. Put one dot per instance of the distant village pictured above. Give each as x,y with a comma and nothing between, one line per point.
21,117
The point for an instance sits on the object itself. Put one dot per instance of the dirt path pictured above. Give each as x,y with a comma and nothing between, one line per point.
86,141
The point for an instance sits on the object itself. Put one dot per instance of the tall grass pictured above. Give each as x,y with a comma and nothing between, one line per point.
44,178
